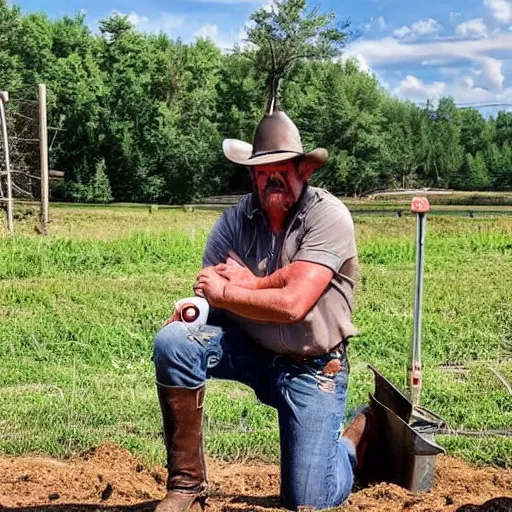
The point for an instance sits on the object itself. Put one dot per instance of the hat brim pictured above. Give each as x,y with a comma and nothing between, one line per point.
240,152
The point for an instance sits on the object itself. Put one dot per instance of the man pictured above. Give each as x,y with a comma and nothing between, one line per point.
279,271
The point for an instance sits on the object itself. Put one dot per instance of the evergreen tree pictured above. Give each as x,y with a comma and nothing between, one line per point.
499,165
99,189
477,177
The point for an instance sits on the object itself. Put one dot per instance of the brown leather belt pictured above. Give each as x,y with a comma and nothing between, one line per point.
329,363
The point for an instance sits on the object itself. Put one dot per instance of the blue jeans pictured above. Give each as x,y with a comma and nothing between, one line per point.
316,461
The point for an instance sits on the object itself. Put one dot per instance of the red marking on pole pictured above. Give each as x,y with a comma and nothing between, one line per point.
420,205
416,375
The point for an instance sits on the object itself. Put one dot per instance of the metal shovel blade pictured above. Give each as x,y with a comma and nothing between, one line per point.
403,453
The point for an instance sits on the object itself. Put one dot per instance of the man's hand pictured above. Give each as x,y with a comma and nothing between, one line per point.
175,316
210,285
237,274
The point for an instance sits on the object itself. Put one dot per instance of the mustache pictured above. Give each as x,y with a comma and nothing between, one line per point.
274,182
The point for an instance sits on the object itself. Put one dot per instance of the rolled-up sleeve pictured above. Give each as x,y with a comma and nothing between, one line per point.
329,237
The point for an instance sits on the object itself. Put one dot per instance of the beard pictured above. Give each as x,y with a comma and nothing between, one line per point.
277,200
276,195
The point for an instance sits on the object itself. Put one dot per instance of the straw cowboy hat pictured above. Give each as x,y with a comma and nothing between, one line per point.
276,139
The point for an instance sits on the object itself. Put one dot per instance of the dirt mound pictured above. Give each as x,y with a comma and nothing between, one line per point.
111,478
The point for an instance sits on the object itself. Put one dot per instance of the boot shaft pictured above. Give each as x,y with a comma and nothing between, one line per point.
182,412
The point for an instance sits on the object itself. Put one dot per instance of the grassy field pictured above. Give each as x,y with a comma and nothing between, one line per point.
79,308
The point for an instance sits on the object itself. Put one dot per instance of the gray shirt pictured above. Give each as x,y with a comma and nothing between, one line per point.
320,231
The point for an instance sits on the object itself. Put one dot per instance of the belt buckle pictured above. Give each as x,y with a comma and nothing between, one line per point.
332,368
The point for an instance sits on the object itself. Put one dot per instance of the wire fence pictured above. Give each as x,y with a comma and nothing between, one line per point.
22,113
28,141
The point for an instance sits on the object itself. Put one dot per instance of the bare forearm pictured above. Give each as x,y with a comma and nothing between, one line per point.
277,280
270,304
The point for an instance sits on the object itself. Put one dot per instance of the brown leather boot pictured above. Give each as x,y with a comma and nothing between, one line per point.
182,411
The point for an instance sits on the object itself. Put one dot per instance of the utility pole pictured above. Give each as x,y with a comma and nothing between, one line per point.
43,150
4,98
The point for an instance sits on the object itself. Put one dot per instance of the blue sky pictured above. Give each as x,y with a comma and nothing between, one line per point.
419,49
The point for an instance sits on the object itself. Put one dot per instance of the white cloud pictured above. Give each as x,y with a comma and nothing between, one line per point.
359,59
468,81
135,19
268,7
379,22
164,22
484,82
420,28
425,27
402,32
474,28
485,72
413,88
464,90
207,31
434,62
501,9
490,75
224,41
388,52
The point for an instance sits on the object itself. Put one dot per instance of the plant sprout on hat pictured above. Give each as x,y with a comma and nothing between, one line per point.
276,139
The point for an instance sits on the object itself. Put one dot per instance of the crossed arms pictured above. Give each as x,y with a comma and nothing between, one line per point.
285,296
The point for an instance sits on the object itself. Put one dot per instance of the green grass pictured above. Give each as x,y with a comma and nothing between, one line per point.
79,308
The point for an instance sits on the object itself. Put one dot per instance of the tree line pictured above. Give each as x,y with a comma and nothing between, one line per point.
142,116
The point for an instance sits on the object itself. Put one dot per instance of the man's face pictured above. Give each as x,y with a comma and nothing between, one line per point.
279,185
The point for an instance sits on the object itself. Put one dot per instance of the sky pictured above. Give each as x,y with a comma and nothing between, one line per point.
419,49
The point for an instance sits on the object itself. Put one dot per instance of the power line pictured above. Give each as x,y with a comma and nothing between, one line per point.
482,105
471,105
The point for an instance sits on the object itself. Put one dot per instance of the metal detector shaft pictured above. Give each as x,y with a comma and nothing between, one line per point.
420,206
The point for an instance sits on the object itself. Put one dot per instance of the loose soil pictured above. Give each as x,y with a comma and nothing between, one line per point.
110,478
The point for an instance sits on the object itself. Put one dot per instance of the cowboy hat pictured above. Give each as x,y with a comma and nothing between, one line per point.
276,139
